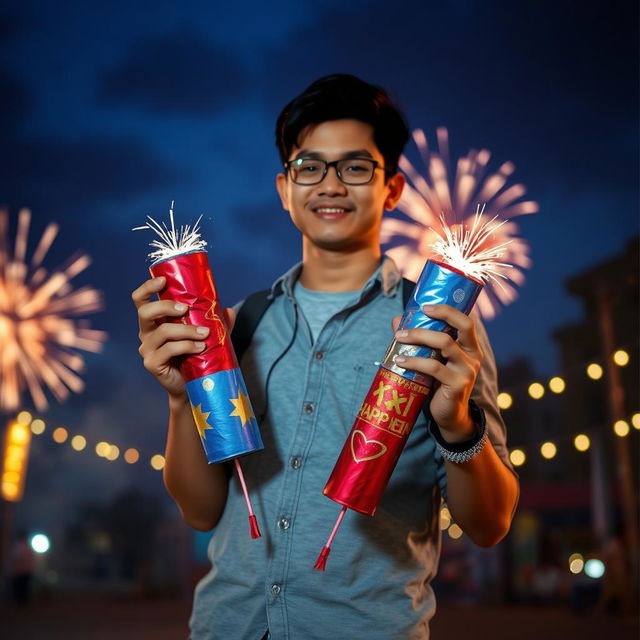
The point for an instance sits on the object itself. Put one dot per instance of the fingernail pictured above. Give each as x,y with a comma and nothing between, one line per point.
428,307
402,334
180,307
399,358
199,345
203,331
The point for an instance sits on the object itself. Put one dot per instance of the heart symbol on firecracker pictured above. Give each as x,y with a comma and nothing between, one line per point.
371,448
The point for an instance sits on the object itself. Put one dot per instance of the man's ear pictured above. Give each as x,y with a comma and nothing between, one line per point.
282,185
395,185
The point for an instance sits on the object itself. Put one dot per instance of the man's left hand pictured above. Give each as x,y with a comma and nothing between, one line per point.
456,376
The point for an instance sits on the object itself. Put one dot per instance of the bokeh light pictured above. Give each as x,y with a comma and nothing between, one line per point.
113,453
635,420
157,462
517,457
24,417
594,568
60,435
38,426
78,442
536,390
594,371
40,543
621,357
504,400
454,531
557,384
131,456
581,442
576,565
621,428
445,518
102,448
548,450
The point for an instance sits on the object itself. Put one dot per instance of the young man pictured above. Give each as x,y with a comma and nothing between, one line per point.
308,367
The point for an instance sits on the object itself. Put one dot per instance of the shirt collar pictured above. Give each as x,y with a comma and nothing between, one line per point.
387,275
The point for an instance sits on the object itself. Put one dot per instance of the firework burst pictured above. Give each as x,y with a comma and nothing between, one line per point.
434,202
40,335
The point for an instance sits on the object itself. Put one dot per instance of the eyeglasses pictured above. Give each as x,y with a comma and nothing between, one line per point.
308,171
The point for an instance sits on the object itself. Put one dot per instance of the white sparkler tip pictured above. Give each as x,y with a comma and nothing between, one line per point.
470,249
171,242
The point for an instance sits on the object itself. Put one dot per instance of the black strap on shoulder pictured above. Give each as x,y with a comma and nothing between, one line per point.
248,318
407,290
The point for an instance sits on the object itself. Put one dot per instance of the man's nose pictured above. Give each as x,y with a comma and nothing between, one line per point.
331,184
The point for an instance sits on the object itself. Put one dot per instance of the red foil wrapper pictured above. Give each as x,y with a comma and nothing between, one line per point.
376,441
189,281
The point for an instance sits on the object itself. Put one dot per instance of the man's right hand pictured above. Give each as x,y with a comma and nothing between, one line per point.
161,340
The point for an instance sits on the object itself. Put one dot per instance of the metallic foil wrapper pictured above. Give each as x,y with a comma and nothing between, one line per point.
377,438
438,284
392,405
189,281
217,392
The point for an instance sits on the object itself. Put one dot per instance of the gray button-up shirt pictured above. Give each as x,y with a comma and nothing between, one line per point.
377,581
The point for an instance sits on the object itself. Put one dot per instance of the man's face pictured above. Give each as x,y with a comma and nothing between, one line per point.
332,215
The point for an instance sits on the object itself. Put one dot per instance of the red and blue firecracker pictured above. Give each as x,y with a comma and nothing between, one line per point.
392,405
218,395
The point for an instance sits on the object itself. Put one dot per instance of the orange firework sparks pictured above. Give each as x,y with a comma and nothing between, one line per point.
39,339
470,200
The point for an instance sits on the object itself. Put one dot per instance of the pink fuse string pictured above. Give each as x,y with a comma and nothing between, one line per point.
253,522
321,561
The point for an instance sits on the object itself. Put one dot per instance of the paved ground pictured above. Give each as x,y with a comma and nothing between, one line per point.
109,618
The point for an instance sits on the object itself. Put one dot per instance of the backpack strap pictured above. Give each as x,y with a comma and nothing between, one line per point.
248,318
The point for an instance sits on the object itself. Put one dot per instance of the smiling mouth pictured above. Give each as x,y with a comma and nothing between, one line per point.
331,213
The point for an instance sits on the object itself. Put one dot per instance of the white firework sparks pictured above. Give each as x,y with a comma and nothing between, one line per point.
39,340
173,243
429,199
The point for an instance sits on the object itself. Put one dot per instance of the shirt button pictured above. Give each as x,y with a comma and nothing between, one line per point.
319,355
284,523
308,408
295,463
275,590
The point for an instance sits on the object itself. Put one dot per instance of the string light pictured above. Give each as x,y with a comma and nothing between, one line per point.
60,435
621,358
505,400
594,371
582,442
621,428
157,462
37,426
78,442
548,450
536,390
517,456
557,384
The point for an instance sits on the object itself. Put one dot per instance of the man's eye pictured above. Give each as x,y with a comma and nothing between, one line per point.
308,167
356,167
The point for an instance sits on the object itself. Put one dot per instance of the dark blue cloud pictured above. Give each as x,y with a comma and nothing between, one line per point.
179,73
58,174
552,86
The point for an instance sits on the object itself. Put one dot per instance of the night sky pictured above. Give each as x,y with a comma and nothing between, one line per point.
109,112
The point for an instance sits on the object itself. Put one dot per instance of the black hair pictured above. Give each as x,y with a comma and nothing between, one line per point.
343,96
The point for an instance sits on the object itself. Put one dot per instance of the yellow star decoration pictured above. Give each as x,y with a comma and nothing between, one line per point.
242,408
200,418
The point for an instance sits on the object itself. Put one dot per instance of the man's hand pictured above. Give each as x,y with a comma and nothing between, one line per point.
161,341
456,377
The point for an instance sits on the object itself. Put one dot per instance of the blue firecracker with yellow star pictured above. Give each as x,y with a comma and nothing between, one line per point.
223,414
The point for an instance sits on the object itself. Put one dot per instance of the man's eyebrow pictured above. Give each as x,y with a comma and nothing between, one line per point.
318,155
